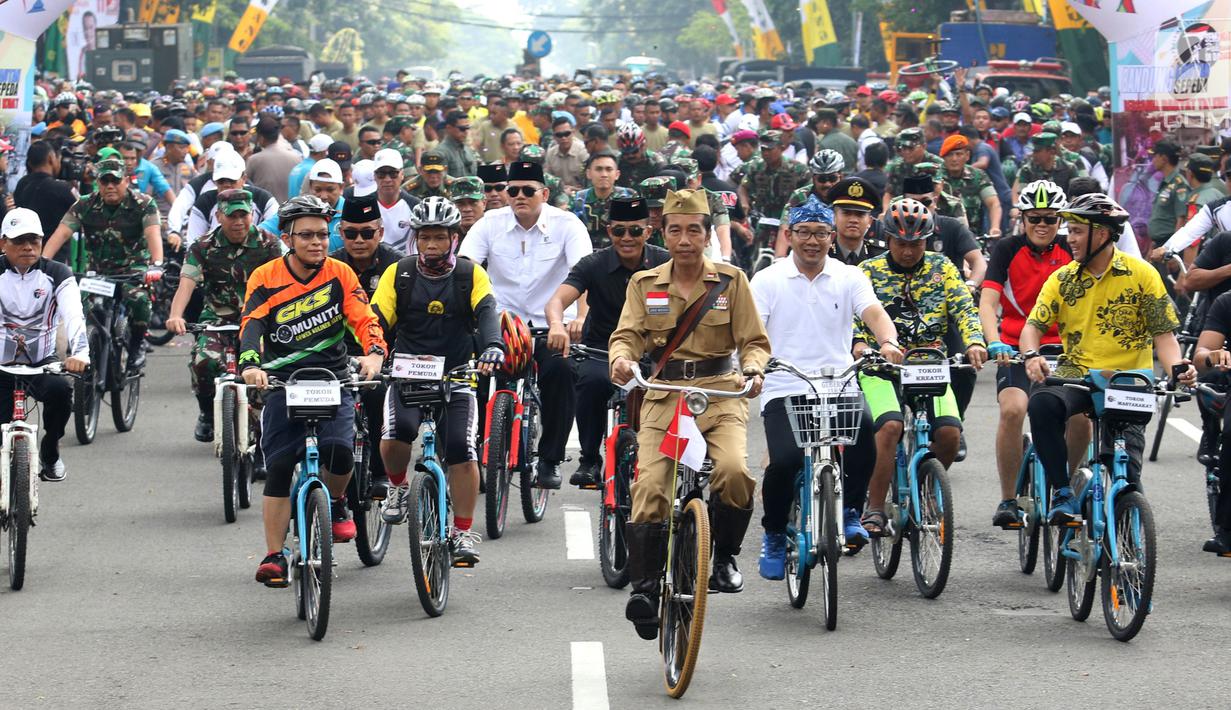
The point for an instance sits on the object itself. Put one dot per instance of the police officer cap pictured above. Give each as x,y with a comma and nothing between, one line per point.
854,193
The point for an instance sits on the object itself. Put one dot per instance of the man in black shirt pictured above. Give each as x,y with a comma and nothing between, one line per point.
39,190
707,162
1213,361
1210,273
603,277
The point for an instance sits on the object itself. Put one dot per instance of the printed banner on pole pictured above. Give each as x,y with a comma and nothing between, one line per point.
720,7
821,47
250,24
765,34
1121,19
1080,45
16,98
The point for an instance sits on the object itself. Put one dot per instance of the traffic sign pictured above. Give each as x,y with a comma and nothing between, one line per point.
538,44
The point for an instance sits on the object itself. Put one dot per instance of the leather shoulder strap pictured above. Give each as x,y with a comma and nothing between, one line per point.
688,323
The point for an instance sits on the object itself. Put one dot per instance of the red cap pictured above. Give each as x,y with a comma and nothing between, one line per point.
726,100
952,143
889,96
681,127
703,102
782,122
863,91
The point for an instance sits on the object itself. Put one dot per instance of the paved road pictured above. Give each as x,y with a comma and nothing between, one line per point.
139,595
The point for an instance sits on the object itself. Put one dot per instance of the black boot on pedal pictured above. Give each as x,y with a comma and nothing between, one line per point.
727,527
647,554
587,475
204,430
136,352
548,475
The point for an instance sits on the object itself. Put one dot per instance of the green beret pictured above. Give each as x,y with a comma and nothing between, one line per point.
1044,140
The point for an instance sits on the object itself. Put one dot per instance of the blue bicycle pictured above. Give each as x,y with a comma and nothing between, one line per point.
1115,536
918,505
821,420
429,505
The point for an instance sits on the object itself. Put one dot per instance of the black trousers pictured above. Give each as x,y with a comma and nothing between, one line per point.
962,381
56,395
557,384
594,389
373,399
1050,409
786,459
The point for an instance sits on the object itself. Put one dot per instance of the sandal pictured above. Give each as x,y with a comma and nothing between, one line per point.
875,522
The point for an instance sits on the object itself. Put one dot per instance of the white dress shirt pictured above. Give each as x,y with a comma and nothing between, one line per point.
810,322
527,265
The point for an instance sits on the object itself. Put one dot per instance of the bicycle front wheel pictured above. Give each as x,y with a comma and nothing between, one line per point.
19,511
497,469
533,498
87,399
931,542
317,575
1128,582
1028,533
825,506
430,558
683,612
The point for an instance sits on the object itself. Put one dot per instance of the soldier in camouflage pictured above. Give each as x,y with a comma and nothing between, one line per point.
403,141
1065,154
718,209
636,162
556,196
826,169
1044,163
969,184
592,203
432,181
912,151
679,137
768,183
220,264
120,233
934,195
654,190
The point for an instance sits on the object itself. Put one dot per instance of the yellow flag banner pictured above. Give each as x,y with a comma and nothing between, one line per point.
765,35
167,12
1064,17
820,41
250,24
205,13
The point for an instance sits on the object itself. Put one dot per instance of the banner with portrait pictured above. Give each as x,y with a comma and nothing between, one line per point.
85,17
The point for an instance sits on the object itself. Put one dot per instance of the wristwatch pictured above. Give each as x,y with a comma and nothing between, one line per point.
1030,355
377,350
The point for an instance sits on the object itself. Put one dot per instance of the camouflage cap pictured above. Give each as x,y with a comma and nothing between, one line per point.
110,167
532,154
1046,139
1052,126
770,136
231,201
654,190
689,166
397,123
908,137
466,188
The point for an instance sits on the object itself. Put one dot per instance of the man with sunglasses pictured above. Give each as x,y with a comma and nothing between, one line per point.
120,232
468,198
495,177
1044,163
395,204
591,204
557,196
529,250
767,185
228,174
911,151
603,277
566,157
369,142
459,158
219,264
826,168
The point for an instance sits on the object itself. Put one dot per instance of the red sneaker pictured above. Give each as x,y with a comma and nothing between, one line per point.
343,526
272,572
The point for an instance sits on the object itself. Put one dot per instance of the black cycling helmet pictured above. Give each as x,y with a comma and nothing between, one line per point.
1095,208
303,206
908,220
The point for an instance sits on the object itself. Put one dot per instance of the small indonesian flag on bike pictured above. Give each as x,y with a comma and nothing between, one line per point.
683,441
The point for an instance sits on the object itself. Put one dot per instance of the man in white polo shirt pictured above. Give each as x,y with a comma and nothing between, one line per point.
395,203
808,304
528,249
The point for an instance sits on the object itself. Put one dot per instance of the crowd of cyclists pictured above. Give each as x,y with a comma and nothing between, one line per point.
693,230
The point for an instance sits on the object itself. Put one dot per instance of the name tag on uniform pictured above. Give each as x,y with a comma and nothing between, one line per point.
722,304
657,303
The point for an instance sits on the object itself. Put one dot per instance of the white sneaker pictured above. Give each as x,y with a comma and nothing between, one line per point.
53,473
397,505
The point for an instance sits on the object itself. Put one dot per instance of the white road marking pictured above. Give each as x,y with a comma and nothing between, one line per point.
589,676
1187,429
577,537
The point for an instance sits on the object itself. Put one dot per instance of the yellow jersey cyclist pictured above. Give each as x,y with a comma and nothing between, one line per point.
431,304
1113,314
297,314
923,293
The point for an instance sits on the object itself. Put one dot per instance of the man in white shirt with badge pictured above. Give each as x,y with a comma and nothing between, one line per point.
528,249
809,304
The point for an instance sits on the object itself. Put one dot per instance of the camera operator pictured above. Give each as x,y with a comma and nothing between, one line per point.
41,191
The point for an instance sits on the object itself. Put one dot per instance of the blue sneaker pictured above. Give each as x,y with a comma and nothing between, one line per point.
1065,508
772,563
856,536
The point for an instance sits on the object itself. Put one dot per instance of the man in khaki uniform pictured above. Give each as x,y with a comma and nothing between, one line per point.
655,301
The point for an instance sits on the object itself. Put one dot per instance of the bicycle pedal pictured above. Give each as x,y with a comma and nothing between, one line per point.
589,487
278,583
460,564
1073,524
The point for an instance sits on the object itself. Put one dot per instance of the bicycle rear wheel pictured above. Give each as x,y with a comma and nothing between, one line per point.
1164,409
1128,583
18,523
931,542
1079,575
612,543
533,498
497,469
683,613
887,549
126,398
87,394
317,572
1053,561
232,461
430,558
1028,534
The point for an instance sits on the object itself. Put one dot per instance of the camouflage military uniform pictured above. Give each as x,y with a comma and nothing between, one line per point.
220,270
592,211
675,149
769,189
898,170
1061,172
971,187
407,151
417,187
796,199
631,174
951,206
113,243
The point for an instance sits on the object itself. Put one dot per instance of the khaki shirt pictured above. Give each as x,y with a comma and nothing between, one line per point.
731,325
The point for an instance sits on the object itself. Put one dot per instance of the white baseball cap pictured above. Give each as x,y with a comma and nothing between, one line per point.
1022,116
228,166
364,174
211,153
387,158
1070,127
21,221
326,170
319,143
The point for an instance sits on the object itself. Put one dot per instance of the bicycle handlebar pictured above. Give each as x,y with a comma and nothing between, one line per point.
211,327
722,394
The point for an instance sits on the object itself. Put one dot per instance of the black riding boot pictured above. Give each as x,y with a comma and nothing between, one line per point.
136,350
647,554
204,430
727,527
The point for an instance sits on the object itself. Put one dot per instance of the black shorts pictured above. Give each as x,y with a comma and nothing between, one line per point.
1012,376
282,438
456,427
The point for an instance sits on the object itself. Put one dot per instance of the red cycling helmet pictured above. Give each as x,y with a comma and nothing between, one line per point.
518,347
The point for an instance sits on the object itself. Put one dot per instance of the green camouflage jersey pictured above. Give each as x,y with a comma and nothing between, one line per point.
898,170
972,187
113,238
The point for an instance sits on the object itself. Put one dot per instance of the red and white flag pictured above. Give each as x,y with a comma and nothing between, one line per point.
683,441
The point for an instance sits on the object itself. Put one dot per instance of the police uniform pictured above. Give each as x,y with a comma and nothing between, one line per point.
433,162
855,193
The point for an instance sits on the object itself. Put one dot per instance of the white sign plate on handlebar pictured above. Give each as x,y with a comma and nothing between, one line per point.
98,287
418,367
925,374
313,394
1126,401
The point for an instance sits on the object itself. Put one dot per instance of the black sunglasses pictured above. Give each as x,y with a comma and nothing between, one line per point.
493,187
25,239
1049,219
387,173
826,178
636,230
564,134
462,128
516,190
109,180
353,234
375,142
